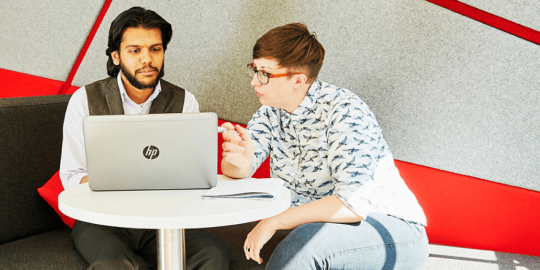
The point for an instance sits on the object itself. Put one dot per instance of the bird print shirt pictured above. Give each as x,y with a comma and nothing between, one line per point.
331,144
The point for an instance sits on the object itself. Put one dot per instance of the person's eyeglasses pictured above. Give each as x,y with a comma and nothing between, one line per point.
264,77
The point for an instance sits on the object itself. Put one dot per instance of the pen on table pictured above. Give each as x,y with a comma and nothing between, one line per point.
222,129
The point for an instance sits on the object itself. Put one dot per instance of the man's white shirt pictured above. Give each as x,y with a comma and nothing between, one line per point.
73,162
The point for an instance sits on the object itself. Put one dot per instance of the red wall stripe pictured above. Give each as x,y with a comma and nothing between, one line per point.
17,84
469,212
490,19
67,85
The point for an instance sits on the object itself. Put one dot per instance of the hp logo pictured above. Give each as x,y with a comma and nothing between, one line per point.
151,152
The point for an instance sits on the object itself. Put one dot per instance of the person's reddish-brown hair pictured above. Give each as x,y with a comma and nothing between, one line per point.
293,47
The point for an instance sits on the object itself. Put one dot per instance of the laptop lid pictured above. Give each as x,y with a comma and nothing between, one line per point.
151,151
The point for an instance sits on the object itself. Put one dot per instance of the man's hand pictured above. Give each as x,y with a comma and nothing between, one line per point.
84,180
238,152
257,238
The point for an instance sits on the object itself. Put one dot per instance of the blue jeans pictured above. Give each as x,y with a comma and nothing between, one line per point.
378,242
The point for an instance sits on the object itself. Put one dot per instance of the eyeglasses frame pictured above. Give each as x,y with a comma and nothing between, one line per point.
251,66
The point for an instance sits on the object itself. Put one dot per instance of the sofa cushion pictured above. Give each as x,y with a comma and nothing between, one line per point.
50,192
52,250
31,143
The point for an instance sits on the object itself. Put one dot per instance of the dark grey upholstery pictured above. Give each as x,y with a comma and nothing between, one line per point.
52,250
30,143
32,236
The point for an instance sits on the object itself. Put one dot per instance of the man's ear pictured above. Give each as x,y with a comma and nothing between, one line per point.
115,58
300,80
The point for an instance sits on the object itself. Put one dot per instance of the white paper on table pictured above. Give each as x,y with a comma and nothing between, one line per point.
249,188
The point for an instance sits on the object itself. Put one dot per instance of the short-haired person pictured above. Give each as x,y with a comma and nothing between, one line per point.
138,39
350,208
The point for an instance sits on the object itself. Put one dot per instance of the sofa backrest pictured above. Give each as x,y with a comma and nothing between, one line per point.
30,146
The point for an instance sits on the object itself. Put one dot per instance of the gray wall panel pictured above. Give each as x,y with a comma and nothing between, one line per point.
450,93
44,38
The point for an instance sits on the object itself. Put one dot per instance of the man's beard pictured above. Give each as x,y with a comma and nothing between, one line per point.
140,85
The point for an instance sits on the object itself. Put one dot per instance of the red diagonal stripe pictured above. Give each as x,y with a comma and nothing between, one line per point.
490,19
85,47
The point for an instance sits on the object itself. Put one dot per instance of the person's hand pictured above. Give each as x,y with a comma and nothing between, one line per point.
238,149
257,238
84,180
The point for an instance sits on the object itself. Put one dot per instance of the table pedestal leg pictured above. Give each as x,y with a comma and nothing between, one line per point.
171,249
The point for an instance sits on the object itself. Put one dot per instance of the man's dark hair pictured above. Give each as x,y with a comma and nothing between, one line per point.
136,17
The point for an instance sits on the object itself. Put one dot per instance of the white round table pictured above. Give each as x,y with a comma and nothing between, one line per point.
169,211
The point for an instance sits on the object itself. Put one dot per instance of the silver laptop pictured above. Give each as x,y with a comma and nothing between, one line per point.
151,151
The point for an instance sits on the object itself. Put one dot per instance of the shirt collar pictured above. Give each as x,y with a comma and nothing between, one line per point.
124,95
308,102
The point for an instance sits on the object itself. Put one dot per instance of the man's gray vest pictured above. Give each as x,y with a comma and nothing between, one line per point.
104,98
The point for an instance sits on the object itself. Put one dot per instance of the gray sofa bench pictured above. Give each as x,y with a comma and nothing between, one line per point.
32,235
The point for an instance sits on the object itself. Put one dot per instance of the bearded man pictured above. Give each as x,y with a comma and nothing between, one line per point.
137,42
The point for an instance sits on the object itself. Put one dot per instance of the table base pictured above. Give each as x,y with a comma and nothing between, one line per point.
171,249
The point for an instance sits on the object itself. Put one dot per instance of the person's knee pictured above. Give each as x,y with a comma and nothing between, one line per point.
112,263
207,252
218,253
295,251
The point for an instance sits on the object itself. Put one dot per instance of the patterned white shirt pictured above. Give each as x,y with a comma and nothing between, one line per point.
332,144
